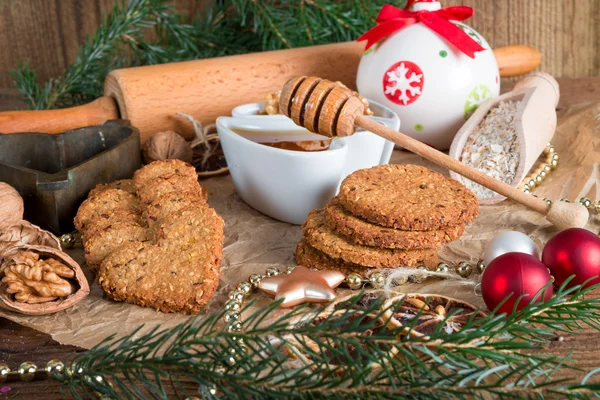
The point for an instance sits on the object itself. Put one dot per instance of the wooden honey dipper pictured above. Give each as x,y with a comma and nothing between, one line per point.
326,107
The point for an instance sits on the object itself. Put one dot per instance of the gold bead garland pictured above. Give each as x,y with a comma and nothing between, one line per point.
541,173
68,240
27,371
534,180
4,372
354,281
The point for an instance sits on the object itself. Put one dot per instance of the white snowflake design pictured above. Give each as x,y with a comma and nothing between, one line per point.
402,83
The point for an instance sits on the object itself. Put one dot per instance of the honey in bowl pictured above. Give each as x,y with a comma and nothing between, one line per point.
295,140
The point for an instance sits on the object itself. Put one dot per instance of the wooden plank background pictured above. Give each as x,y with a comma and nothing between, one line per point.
48,32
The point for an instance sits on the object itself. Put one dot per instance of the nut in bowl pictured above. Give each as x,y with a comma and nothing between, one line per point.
284,171
425,314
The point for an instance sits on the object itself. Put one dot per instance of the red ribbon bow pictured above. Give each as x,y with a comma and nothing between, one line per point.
392,19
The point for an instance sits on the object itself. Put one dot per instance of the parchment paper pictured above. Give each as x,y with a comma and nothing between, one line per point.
254,242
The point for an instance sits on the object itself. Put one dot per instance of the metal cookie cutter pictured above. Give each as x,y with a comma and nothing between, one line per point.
54,173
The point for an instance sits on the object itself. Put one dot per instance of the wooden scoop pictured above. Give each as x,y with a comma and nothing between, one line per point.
534,122
322,106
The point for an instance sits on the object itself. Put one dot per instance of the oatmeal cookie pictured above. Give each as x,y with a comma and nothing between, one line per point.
99,223
163,168
105,203
167,184
150,276
407,197
105,242
322,238
124,184
309,257
195,229
170,203
359,231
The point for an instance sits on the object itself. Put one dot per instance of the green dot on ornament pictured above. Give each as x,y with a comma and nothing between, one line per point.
443,53
418,127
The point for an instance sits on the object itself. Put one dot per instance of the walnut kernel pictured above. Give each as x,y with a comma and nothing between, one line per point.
33,280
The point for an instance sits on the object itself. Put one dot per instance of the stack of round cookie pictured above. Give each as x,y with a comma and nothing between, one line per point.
387,216
154,240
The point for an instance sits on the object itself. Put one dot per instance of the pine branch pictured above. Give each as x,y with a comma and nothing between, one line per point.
83,79
335,359
228,27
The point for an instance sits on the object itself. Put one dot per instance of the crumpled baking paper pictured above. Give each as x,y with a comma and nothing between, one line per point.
254,242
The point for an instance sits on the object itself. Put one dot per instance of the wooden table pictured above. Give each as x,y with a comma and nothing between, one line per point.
19,344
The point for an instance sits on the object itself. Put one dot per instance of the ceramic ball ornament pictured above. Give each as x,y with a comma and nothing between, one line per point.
428,67
512,278
509,242
574,252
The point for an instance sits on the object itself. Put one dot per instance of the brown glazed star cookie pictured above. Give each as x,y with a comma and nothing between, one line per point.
124,184
102,222
309,257
105,242
105,203
170,203
407,197
167,184
322,238
163,168
359,231
147,275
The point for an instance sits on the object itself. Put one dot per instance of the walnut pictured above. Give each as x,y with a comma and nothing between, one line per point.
32,280
39,280
11,205
24,232
272,105
167,145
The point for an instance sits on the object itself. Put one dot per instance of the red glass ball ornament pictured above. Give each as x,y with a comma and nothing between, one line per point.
576,252
516,273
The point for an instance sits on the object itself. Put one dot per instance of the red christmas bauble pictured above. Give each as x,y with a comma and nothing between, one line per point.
576,252
516,273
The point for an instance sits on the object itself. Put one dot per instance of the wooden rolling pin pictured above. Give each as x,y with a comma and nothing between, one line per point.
321,106
149,96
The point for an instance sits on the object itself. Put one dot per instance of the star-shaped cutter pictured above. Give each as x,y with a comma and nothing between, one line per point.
302,285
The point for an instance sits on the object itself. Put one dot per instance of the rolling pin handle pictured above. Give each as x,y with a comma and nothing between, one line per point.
58,121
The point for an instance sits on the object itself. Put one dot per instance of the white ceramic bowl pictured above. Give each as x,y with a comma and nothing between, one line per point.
285,184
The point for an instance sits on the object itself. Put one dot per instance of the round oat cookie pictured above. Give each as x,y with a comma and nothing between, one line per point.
322,238
197,229
309,257
170,203
149,276
147,174
359,231
124,184
104,204
100,223
105,242
167,184
407,197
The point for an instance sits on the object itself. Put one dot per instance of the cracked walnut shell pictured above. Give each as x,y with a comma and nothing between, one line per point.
38,280
23,232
